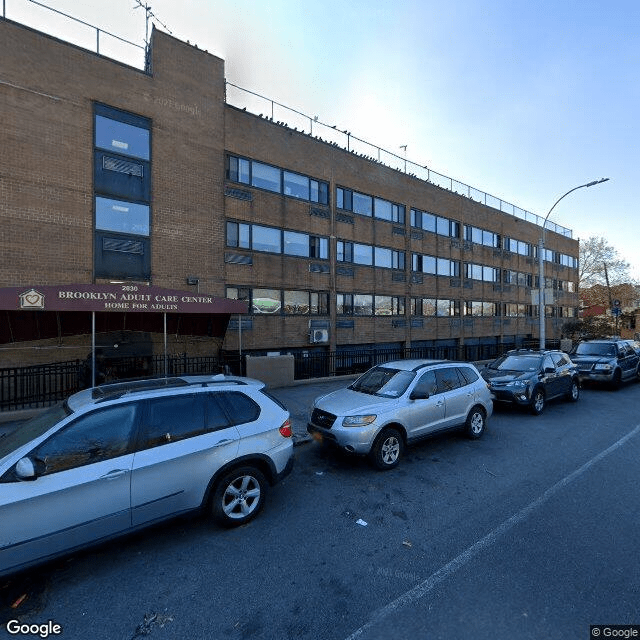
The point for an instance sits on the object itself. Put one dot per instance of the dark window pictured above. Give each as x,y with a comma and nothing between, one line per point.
122,138
469,375
427,384
447,379
241,408
100,435
216,415
173,418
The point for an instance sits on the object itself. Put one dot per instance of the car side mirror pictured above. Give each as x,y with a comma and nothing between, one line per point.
25,469
418,394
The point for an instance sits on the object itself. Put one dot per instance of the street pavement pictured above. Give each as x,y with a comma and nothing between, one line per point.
299,397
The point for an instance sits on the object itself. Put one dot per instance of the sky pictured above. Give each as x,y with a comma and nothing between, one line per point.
522,100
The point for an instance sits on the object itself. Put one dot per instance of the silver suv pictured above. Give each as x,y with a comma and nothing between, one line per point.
119,457
398,402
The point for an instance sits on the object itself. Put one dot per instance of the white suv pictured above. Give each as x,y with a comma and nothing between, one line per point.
120,457
399,402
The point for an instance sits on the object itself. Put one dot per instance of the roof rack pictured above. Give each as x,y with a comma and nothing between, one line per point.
105,391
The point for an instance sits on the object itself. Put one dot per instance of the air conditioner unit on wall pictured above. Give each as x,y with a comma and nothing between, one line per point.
319,335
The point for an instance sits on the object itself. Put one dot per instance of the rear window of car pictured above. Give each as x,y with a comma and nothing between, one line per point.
468,374
241,408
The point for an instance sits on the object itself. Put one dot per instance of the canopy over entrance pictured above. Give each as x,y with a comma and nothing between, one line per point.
46,303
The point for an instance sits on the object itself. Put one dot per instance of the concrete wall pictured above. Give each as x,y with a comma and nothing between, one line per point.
275,371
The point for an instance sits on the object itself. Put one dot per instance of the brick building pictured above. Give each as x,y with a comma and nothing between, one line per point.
110,173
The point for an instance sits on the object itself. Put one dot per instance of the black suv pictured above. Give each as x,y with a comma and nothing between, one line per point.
609,361
531,378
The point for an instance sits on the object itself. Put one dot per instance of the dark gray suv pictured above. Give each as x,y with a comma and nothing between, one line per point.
608,361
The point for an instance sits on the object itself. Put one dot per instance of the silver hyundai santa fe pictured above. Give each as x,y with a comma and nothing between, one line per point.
119,457
398,402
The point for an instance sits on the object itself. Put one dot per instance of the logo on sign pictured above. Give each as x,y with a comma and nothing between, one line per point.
31,299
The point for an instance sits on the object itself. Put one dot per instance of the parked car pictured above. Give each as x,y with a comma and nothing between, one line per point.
609,361
531,378
396,403
119,457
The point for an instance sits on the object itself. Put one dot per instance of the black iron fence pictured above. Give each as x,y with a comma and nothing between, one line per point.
42,385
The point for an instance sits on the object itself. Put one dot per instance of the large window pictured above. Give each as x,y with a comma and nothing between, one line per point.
434,223
481,272
366,254
277,302
277,180
389,305
432,307
435,266
123,217
481,308
122,138
274,240
481,236
122,194
366,205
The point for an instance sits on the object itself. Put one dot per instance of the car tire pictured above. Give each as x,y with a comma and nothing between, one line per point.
616,381
387,449
475,423
238,496
538,401
574,392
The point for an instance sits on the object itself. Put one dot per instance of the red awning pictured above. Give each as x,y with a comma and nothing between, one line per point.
127,298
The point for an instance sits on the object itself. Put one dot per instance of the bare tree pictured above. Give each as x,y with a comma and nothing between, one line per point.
595,253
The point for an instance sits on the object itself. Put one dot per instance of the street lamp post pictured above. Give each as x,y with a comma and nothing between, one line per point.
541,287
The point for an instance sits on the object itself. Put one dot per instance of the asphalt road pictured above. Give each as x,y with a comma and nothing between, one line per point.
531,532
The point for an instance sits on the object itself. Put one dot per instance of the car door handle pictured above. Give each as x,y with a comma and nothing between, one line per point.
221,442
116,473
439,403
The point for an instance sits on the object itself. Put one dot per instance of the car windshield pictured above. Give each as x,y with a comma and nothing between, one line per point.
517,363
33,428
384,381
595,349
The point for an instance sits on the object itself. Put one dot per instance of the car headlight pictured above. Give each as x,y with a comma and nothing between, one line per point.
358,421
603,367
518,384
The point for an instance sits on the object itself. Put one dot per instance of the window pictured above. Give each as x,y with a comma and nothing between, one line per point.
480,308
121,216
423,220
481,236
388,258
362,305
481,272
426,385
265,176
266,301
344,304
447,379
241,408
423,306
362,254
385,210
266,239
238,170
296,185
362,204
100,435
296,244
318,247
172,419
389,306
238,235
319,304
122,138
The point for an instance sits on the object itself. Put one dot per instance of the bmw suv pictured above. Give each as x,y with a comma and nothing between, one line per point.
532,378
399,402
122,456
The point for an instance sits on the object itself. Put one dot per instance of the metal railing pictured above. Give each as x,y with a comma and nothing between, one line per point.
43,385
75,31
287,116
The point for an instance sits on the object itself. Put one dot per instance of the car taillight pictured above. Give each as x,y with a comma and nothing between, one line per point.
285,429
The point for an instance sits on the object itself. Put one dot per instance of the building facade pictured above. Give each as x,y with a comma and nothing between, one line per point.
114,174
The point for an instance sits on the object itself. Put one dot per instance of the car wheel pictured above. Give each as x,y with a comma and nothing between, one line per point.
387,449
538,401
475,423
239,496
616,381
574,391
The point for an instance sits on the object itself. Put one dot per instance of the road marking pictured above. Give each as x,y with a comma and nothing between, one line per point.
422,589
